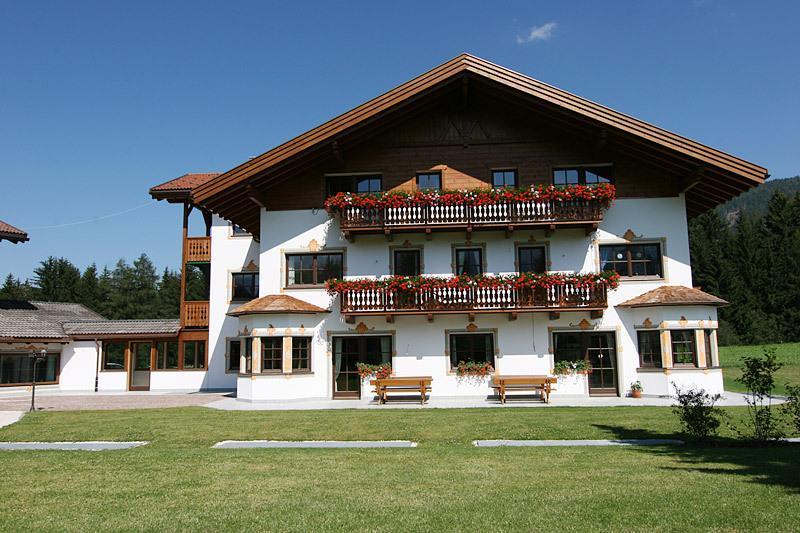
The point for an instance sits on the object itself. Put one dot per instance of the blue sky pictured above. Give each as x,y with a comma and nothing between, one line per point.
101,100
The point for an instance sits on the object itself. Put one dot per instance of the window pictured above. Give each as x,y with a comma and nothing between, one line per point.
469,261
17,369
238,231
709,350
245,285
271,354
632,260
247,346
301,353
650,349
531,259
429,180
194,354
407,263
312,269
683,347
113,356
234,355
474,347
504,178
357,184
591,175
167,355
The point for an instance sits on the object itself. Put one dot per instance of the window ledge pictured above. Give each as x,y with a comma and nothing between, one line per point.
652,369
649,279
276,374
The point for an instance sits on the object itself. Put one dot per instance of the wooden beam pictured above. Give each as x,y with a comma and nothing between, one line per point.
512,316
509,230
430,317
389,319
350,319
591,228
256,197
337,152
554,315
596,313
471,317
388,233
428,235
549,229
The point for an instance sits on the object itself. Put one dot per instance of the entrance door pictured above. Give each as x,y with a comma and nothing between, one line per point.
597,348
140,365
347,352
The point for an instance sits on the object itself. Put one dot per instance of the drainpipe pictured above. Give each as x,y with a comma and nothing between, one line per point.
97,365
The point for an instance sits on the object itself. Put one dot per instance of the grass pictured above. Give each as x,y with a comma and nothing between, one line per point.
788,354
178,482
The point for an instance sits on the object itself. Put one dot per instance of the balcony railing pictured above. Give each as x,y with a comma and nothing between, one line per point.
542,213
195,315
566,297
198,249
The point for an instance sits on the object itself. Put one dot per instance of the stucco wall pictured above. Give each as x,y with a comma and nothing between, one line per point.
78,364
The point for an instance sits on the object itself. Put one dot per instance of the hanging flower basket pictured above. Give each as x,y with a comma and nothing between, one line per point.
604,193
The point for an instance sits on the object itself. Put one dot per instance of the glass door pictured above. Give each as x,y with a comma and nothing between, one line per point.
351,350
141,353
601,353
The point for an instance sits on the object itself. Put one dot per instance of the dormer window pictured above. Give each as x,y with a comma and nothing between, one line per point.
358,183
583,175
505,178
429,181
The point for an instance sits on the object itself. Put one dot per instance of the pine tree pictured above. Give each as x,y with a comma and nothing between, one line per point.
56,280
89,289
14,289
169,294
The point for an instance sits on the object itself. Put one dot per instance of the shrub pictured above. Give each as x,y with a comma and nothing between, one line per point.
792,407
580,366
696,411
758,375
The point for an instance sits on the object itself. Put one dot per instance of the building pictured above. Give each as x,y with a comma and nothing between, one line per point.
11,234
477,220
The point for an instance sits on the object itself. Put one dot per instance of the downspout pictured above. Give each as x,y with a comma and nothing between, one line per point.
97,366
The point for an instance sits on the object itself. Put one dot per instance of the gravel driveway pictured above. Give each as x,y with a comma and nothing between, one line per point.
70,402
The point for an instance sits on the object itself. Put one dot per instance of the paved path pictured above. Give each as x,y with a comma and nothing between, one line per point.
598,442
9,417
240,444
86,446
61,401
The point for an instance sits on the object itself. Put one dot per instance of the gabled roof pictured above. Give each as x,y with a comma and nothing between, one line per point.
112,328
12,234
180,188
227,194
276,304
673,295
21,320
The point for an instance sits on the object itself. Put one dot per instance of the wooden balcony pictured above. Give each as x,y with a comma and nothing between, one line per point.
197,249
544,214
470,300
194,315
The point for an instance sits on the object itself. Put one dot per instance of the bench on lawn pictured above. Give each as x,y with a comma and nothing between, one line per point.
390,385
543,384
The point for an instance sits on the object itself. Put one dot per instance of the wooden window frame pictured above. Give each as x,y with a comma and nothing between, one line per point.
228,356
353,177
184,342
233,234
272,350
653,355
629,261
581,168
392,260
155,344
431,173
709,347
316,284
504,169
57,355
233,285
449,334
520,246
479,246
125,348
308,357
692,341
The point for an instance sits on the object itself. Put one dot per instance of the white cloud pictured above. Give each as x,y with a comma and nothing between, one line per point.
538,33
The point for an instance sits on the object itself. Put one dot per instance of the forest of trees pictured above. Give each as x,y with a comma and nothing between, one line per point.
127,291
748,252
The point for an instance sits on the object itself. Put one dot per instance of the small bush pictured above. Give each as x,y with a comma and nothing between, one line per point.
696,411
792,407
758,375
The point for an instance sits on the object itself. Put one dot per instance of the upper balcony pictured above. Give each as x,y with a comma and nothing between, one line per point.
198,249
513,294
545,208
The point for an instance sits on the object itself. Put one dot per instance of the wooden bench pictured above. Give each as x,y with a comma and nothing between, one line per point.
385,386
543,384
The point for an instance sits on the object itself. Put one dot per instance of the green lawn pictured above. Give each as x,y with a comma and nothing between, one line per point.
177,482
788,354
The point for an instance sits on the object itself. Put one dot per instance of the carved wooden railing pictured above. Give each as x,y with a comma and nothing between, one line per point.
198,249
195,314
512,212
474,299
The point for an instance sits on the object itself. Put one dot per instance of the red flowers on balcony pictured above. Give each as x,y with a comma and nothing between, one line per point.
420,284
603,193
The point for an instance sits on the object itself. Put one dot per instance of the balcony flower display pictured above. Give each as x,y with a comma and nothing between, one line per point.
419,284
604,193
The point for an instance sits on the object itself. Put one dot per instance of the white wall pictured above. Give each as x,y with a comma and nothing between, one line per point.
78,366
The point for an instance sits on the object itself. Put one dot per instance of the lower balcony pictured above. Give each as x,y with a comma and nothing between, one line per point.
571,293
194,314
